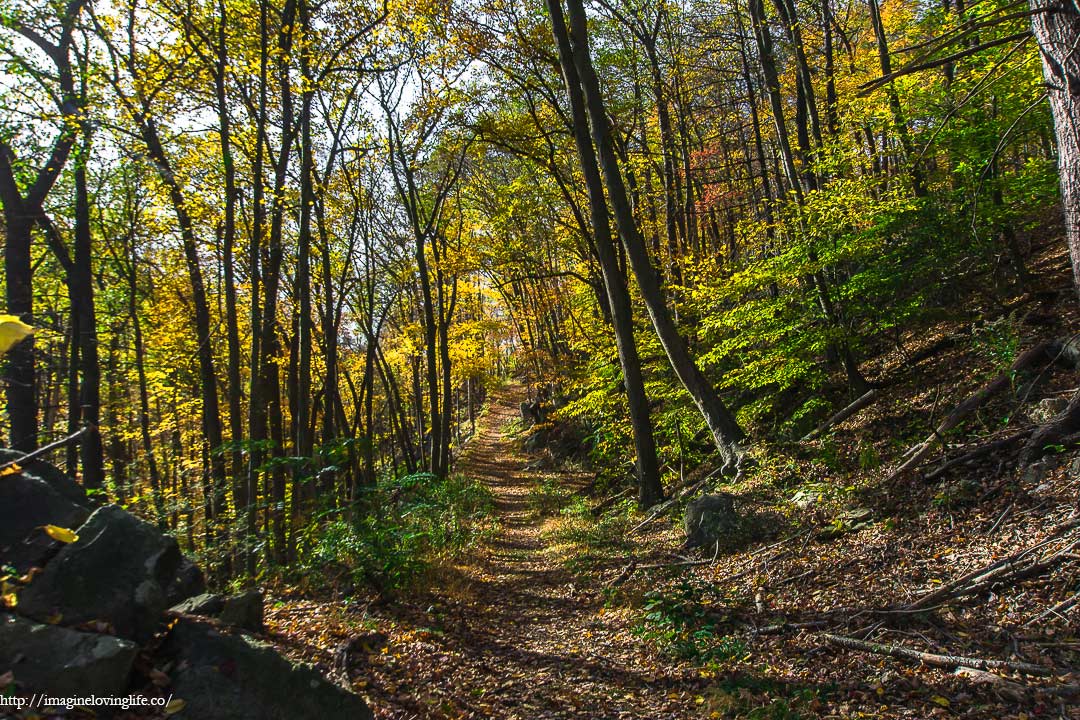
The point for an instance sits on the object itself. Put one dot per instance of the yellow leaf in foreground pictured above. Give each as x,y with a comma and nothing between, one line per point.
11,470
12,331
939,700
60,534
174,706
10,600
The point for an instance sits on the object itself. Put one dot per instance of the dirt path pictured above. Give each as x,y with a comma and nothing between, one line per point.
509,635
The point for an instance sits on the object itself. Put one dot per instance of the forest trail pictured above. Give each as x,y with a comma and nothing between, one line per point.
508,634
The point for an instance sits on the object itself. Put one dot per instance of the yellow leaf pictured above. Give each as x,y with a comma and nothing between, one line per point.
174,706
939,700
12,331
10,600
13,469
60,534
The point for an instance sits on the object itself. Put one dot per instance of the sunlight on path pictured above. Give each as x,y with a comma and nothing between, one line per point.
512,637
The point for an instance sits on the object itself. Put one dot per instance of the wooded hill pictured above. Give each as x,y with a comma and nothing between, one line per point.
277,254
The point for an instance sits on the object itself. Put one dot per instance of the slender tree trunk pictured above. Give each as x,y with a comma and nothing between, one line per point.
156,494
726,432
82,287
899,121
234,392
618,296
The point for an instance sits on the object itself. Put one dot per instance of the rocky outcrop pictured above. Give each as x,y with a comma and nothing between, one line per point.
59,661
120,576
226,676
39,495
244,610
117,572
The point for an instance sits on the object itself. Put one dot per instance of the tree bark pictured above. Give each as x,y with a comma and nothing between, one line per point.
1056,26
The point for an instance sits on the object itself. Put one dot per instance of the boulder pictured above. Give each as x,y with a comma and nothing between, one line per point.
243,610
50,474
712,519
187,582
207,605
47,658
1047,409
223,676
117,572
27,502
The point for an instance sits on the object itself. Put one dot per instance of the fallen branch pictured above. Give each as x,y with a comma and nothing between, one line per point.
633,566
865,400
1063,606
667,504
976,578
976,453
788,627
45,449
948,662
1031,357
599,509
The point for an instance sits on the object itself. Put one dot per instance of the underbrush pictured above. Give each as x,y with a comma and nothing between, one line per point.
399,529
683,621
548,496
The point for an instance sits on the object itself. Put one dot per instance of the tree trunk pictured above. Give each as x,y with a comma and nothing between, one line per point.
618,296
725,430
82,288
1056,26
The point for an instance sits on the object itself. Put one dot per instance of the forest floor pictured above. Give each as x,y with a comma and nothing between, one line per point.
560,613
511,632
527,625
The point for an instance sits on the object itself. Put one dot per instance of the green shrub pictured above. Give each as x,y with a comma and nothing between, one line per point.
548,496
399,527
678,623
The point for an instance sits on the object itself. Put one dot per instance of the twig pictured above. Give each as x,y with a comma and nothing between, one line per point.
948,662
1001,519
1061,607
45,449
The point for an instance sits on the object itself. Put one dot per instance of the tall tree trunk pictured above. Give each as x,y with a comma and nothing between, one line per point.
618,296
82,288
234,389
899,121
1056,26
725,430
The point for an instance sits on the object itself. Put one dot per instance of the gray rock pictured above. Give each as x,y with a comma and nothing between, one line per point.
1047,409
244,610
712,519
188,582
222,676
57,479
47,658
116,572
206,605
28,501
